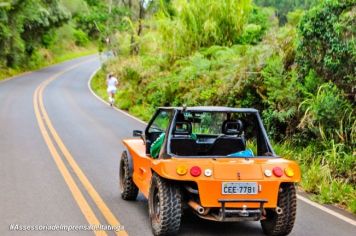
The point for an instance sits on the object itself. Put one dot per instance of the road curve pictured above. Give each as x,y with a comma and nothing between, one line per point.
81,185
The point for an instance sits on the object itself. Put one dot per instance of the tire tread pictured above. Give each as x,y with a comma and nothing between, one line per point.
129,190
278,225
171,207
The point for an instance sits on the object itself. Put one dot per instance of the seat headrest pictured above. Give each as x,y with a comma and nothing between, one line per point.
182,128
180,117
232,127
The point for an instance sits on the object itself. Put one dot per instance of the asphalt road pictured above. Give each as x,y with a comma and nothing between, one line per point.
40,187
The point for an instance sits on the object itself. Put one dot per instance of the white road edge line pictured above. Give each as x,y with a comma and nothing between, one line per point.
306,200
327,210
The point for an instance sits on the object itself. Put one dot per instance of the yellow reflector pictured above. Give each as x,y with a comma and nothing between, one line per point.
182,170
289,172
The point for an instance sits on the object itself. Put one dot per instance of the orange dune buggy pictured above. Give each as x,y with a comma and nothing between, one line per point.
216,161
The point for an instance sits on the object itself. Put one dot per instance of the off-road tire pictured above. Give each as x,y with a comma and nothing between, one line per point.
278,225
128,189
165,206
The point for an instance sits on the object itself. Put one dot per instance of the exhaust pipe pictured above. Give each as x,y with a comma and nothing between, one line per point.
279,210
198,208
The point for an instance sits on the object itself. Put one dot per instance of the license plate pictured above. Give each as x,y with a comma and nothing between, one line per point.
239,188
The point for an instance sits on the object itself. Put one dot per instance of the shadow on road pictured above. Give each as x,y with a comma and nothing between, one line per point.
193,225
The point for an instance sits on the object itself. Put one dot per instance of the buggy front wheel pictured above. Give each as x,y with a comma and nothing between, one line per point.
128,188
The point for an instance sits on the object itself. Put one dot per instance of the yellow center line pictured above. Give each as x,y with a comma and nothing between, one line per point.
78,196
108,215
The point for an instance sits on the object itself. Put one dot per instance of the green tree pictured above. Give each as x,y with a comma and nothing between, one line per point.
103,20
202,23
24,26
327,42
284,6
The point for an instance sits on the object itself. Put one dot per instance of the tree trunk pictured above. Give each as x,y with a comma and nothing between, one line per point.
135,47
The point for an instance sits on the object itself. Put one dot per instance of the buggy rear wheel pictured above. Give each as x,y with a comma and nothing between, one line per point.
128,189
165,206
282,224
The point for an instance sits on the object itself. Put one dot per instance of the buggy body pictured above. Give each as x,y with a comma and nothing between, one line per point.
216,161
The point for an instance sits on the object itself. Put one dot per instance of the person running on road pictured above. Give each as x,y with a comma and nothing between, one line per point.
112,84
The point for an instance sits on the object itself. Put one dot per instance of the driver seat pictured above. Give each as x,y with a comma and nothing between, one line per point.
182,143
231,141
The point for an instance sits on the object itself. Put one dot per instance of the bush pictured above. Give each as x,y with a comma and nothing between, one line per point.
327,43
295,17
259,21
283,7
327,114
25,26
202,23
281,103
81,38
49,39
252,34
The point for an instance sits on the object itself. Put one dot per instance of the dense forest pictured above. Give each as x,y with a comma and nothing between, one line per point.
35,33
292,60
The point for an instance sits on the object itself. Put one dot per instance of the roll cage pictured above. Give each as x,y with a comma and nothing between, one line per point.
172,114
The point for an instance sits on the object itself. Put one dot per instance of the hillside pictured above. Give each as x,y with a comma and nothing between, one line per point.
295,63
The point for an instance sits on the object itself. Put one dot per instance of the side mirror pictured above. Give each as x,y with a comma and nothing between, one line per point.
137,133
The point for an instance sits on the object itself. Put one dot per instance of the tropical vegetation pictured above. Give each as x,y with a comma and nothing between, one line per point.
292,60
35,33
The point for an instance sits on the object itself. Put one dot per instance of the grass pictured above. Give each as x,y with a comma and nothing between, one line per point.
98,85
318,177
76,54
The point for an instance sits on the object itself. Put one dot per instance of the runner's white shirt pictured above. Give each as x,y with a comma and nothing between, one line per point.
112,82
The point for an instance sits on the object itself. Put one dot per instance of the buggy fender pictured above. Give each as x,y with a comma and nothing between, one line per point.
165,169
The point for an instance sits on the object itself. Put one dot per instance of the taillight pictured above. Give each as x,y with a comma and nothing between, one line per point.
195,171
277,171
